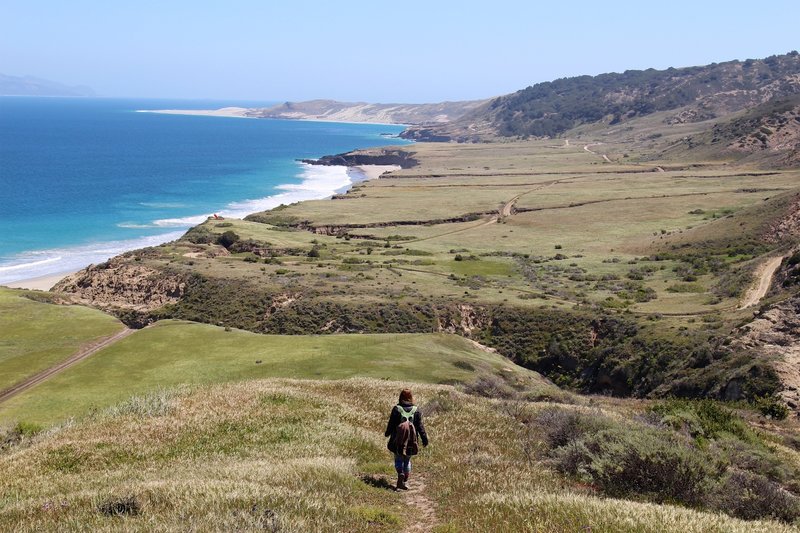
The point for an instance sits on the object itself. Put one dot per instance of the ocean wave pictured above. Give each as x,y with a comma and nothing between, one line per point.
182,222
315,183
39,263
133,225
163,205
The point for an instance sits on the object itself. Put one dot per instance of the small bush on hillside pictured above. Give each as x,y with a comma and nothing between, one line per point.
753,457
702,419
464,365
489,387
772,407
643,462
199,235
752,496
227,239
564,426
120,506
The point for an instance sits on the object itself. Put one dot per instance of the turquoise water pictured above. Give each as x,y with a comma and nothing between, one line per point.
84,179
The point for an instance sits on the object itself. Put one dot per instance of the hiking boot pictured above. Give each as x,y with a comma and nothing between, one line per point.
401,485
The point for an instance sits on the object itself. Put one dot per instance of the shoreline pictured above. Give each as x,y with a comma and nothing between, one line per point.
241,112
40,283
356,174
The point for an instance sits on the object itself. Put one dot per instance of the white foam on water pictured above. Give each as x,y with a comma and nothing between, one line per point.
28,265
316,182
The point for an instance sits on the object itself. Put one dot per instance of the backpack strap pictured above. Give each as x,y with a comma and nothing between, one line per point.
408,416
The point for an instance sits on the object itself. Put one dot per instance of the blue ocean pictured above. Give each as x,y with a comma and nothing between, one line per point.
83,179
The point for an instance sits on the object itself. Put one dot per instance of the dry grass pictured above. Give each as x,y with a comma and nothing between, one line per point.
288,455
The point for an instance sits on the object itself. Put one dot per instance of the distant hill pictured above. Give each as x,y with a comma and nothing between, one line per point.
363,112
31,86
696,94
768,134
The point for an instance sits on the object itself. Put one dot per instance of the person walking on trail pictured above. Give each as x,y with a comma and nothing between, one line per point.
405,425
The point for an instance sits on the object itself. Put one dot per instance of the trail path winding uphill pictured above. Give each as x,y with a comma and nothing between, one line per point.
764,274
588,149
80,355
423,508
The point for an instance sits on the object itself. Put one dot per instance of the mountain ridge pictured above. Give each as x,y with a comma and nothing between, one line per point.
696,94
33,86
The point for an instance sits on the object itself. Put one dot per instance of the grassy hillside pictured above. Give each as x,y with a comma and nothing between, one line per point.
174,353
695,93
37,335
287,455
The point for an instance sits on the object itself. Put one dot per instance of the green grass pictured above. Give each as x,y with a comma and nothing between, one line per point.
38,335
173,353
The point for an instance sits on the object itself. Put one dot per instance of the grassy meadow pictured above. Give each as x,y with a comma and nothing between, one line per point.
36,335
173,353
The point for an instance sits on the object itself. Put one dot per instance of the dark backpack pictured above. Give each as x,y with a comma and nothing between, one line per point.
405,435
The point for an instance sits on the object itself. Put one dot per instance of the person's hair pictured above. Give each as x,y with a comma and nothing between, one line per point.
406,396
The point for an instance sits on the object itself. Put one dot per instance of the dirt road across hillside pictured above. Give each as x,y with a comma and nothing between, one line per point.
80,355
764,275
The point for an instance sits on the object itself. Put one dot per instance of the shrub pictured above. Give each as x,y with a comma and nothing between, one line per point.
122,506
702,419
752,496
227,239
644,462
565,426
489,387
772,407
464,365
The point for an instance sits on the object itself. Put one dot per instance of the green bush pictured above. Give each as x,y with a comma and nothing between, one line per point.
643,462
772,407
703,419
227,239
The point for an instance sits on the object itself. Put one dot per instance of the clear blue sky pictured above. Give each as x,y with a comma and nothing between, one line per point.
378,50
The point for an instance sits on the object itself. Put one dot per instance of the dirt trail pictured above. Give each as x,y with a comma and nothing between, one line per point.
416,498
505,211
604,156
81,354
764,274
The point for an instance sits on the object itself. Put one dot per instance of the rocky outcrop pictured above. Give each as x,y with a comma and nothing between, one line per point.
787,226
122,285
383,156
467,320
775,334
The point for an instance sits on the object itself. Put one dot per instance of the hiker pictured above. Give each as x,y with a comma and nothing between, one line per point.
405,424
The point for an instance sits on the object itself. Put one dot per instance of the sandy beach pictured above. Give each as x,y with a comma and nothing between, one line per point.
42,283
235,112
373,172
243,112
